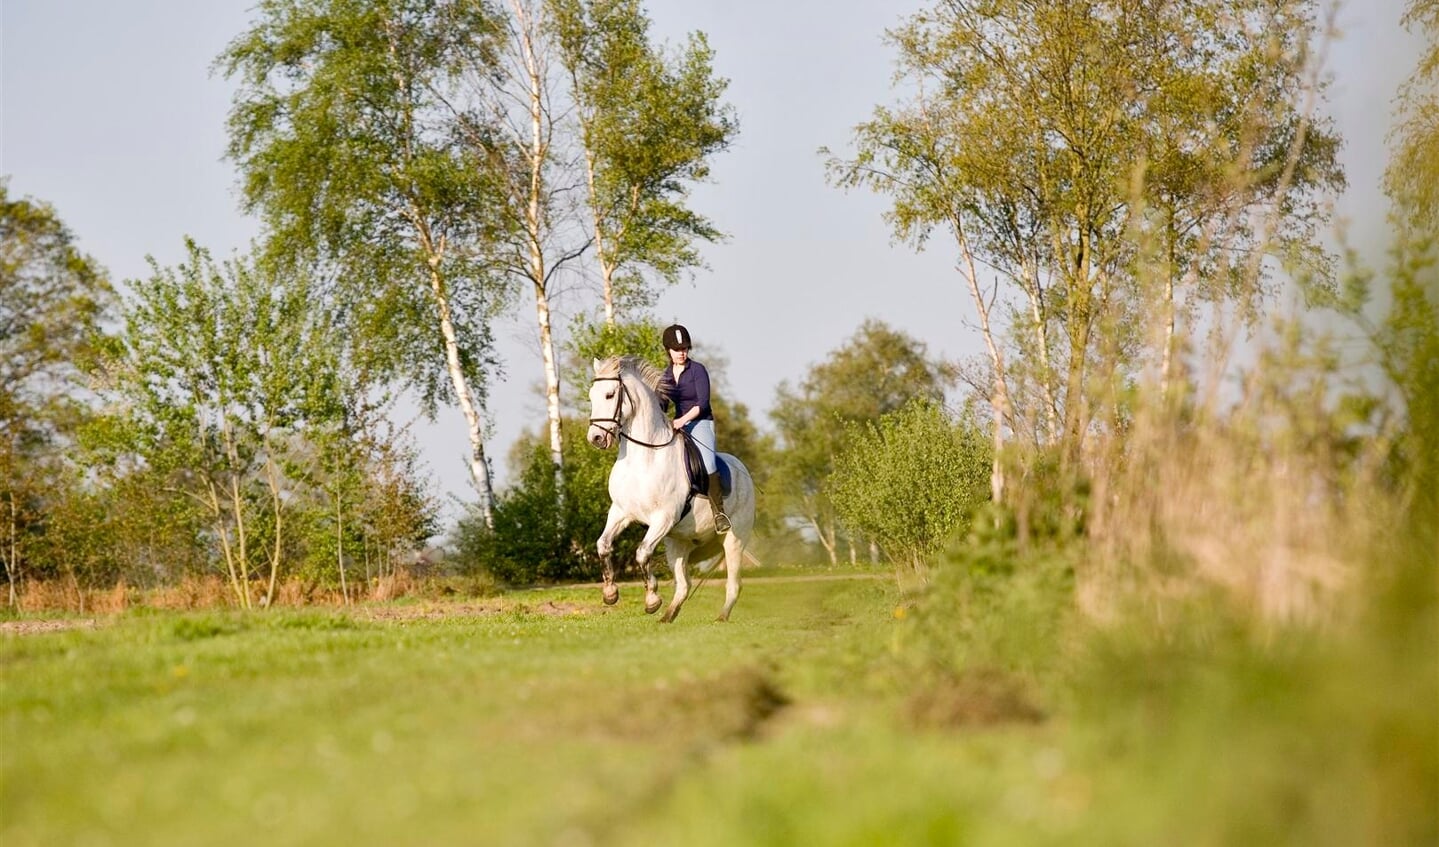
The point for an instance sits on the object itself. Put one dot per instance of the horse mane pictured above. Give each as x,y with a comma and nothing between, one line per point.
646,372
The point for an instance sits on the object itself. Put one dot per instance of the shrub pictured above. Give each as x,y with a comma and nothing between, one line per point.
533,540
911,480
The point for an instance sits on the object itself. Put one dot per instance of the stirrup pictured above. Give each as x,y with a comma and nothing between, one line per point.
721,522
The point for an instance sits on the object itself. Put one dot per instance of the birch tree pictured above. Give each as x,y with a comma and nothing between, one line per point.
875,372
512,118
1412,177
343,131
1056,143
52,301
213,383
649,123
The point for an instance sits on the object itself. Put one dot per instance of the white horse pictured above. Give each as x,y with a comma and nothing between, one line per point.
649,484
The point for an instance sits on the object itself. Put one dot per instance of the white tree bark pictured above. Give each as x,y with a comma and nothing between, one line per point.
999,396
536,226
1035,293
464,394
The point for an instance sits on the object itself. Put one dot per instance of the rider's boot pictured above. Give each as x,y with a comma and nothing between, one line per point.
717,504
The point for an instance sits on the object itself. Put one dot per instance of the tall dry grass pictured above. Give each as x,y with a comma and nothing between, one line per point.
194,593
1258,433
1272,502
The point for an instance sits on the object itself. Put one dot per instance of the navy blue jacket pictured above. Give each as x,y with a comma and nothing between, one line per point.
693,390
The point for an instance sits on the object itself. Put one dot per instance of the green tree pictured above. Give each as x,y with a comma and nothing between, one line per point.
344,130
1407,339
1412,177
910,480
531,540
590,340
649,123
398,511
53,299
217,374
876,371
1071,145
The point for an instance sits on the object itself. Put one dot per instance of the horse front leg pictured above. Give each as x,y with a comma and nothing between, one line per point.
643,554
678,555
614,525
652,591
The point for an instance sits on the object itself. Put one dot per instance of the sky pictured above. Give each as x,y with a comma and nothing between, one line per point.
109,112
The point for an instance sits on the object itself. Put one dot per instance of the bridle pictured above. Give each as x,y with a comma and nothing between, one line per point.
618,420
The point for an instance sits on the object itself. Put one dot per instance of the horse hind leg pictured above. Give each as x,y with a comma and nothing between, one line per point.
733,556
677,557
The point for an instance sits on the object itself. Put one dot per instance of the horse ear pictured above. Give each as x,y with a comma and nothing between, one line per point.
597,367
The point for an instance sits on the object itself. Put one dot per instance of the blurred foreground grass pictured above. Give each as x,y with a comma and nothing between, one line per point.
830,712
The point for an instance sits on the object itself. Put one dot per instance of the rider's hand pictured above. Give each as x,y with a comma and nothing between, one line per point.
677,424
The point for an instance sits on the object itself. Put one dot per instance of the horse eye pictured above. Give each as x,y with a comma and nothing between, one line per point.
610,396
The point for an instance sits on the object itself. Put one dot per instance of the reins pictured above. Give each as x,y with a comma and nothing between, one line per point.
630,438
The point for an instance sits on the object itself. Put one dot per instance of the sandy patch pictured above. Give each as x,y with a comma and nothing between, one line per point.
37,627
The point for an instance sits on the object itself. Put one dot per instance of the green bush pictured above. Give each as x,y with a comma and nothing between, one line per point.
535,541
995,603
911,480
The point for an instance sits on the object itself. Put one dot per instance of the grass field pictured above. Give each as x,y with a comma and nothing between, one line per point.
544,718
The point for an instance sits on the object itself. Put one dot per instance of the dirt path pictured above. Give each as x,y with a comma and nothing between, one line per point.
382,611
35,627
719,574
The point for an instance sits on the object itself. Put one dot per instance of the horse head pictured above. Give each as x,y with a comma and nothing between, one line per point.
624,403
607,404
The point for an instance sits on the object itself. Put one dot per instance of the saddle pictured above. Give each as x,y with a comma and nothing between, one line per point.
700,478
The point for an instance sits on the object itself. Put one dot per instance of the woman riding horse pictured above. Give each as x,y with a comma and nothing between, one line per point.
649,484
686,383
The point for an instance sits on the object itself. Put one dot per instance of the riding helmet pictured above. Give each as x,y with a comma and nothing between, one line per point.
676,338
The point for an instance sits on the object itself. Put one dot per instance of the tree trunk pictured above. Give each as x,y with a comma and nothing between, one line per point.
552,386
826,540
535,225
217,514
607,269
464,394
999,397
1076,422
237,506
12,544
1166,362
1035,293
340,543
273,479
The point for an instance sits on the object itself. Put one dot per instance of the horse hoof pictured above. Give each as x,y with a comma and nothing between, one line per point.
722,619
612,595
652,607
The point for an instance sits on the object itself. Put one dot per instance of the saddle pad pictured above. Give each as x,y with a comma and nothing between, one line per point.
699,477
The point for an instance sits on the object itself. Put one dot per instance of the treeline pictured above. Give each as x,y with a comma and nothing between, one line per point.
1135,195
216,430
420,167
